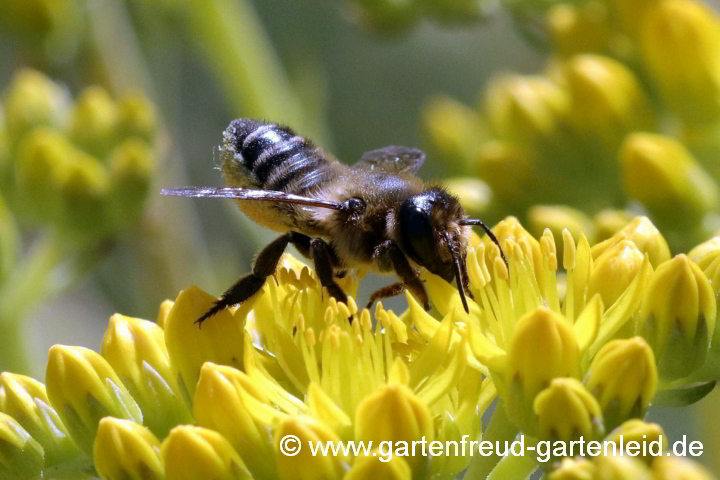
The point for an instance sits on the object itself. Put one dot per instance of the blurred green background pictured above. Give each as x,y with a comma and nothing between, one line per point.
352,90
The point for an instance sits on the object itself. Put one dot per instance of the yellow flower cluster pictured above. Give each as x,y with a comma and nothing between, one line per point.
82,166
581,354
626,115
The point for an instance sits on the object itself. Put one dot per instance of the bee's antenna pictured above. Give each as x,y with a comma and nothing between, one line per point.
476,222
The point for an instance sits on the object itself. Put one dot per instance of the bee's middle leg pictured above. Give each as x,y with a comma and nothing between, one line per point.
325,258
388,257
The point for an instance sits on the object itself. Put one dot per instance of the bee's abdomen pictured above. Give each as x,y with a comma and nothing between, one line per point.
275,157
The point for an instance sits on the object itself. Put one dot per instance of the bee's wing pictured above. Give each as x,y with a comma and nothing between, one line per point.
392,159
249,194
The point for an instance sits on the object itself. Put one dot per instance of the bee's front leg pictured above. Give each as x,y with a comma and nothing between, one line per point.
388,257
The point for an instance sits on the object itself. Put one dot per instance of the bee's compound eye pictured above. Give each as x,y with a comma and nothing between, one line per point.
355,204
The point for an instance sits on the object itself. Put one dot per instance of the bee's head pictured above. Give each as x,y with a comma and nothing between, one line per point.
430,234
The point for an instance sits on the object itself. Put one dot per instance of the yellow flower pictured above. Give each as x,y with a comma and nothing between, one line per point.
21,457
124,450
567,411
136,350
508,168
191,452
677,317
26,401
608,222
83,388
623,378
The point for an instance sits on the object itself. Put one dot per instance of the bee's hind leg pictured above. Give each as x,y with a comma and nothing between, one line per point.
264,266
324,258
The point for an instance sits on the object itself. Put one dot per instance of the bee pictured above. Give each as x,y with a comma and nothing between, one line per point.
375,215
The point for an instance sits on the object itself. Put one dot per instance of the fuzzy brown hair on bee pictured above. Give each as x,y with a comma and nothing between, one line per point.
375,215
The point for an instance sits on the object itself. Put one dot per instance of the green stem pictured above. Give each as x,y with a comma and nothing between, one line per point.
26,285
513,467
230,36
13,348
500,429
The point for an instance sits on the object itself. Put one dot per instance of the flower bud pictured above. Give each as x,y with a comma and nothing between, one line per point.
542,347
623,378
614,271
83,388
191,452
507,168
573,469
25,400
305,464
646,237
32,99
377,468
218,404
93,121
136,117
678,468
705,256
385,16
609,222
579,29
677,317
525,109
9,237
131,166
607,100
220,340
136,350
21,457
42,166
124,450
455,130
659,172
557,218
393,414
680,43
620,467
566,411
635,430
474,195
84,194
